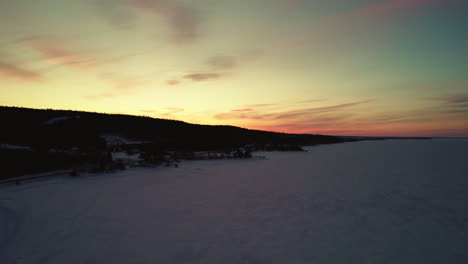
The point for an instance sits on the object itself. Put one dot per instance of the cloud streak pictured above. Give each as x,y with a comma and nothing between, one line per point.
17,72
304,114
195,77
242,110
201,77
453,98
349,118
64,57
173,82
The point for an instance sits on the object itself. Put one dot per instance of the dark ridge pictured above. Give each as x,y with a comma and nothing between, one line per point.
63,139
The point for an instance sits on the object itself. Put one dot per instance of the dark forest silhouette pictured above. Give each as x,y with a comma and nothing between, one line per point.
62,139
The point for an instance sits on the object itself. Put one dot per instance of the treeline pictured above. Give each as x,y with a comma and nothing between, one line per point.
63,139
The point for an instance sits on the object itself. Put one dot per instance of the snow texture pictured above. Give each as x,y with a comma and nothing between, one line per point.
112,140
121,155
58,119
364,202
14,147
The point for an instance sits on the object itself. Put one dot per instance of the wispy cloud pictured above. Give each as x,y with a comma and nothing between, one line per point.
173,82
59,52
200,77
242,110
318,110
303,114
182,19
195,77
452,98
219,66
62,56
347,118
17,72
451,105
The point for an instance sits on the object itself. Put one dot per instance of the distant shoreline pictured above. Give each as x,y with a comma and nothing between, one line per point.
67,172
36,141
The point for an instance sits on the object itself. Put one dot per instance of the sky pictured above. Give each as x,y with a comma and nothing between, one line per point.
338,67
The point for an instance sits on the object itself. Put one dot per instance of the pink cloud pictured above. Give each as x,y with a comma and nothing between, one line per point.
326,113
242,110
61,56
16,72
173,82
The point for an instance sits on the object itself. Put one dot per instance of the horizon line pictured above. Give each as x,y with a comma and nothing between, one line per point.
177,120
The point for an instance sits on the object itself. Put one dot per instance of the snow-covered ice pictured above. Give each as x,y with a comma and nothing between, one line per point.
14,147
363,202
113,140
59,119
124,156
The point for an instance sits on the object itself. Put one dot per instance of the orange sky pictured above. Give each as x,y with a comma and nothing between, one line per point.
354,67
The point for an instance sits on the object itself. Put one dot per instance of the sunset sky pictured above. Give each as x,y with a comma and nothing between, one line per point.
342,67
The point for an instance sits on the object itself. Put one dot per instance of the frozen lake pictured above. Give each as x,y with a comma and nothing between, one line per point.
365,202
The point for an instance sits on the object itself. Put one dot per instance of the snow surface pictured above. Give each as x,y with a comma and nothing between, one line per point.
58,119
124,156
14,147
364,202
112,140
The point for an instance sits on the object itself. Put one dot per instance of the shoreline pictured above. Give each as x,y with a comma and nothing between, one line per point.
173,163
